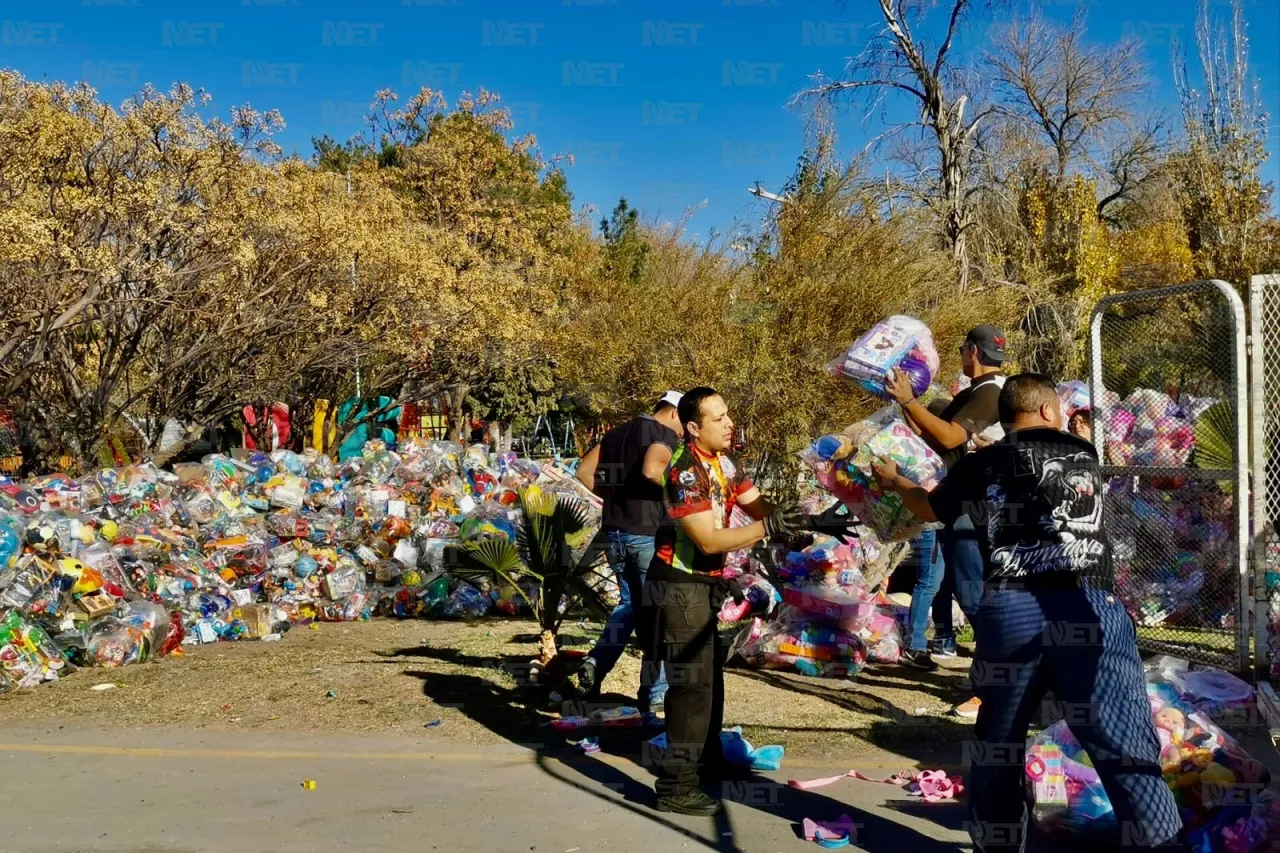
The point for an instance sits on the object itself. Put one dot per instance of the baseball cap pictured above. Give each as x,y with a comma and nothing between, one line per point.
671,398
990,342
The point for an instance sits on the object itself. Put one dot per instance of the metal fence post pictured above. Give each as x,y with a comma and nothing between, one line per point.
1264,421
1165,364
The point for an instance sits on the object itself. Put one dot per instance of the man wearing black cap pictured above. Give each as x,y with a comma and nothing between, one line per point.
973,411
626,469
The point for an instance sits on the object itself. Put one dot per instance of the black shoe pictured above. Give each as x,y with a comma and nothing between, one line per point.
587,678
918,660
694,803
942,648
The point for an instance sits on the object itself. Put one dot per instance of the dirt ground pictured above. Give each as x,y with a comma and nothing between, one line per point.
390,676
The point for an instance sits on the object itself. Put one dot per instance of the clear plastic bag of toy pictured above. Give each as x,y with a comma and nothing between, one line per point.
759,599
898,343
112,642
28,656
355,607
883,631
1067,794
796,643
1205,768
843,465
466,602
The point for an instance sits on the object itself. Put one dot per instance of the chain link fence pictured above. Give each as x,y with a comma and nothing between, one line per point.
1264,317
1167,371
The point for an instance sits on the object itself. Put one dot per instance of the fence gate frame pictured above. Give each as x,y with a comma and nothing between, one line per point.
1238,475
1264,371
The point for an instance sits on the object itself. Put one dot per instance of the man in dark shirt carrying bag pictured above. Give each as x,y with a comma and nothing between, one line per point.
1048,619
626,470
972,415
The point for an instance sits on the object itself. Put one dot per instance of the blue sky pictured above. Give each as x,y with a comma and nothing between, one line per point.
670,104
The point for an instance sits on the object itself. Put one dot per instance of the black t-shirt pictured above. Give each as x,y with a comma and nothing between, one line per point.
1038,495
631,503
975,408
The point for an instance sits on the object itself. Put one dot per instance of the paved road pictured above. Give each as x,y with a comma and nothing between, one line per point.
187,791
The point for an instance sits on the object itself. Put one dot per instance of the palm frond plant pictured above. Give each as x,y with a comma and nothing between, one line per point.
1216,438
541,553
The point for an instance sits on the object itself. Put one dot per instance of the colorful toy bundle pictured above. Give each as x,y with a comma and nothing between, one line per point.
1150,429
28,656
1271,569
760,599
1171,545
829,624
898,343
126,564
828,562
843,466
1213,780
797,644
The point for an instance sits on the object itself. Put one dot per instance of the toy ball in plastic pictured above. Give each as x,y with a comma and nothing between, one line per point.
411,578
40,536
918,372
110,530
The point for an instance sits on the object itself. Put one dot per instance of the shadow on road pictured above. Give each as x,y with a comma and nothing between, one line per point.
522,717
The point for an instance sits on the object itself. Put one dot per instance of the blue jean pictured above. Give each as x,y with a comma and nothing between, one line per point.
629,556
929,561
1079,642
962,578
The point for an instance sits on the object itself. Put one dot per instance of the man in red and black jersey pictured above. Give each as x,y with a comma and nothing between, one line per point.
684,590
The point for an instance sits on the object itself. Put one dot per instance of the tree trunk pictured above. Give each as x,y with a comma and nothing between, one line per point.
457,403
547,647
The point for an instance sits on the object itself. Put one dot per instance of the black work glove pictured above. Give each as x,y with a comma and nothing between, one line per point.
725,588
784,522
